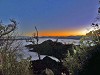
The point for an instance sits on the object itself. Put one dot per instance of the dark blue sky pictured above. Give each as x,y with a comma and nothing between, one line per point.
49,15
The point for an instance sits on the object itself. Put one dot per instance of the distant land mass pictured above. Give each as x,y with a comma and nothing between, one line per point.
54,37
63,37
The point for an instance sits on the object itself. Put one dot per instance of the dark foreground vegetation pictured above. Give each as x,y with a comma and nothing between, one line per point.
52,48
83,59
55,49
56,68
91,65
11,62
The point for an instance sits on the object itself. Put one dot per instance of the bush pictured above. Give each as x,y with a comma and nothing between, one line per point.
11,61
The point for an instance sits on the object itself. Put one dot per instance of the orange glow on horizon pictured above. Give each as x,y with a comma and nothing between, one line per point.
58,33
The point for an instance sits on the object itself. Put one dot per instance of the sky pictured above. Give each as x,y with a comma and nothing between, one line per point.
51,17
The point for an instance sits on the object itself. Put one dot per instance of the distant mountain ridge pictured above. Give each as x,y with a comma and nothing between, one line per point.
55,37
63,37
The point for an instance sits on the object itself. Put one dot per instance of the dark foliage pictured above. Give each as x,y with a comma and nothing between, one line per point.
56,49
92,64
57,68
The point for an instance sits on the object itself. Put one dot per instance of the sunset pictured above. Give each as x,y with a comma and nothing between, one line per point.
51,17
49,37
66,32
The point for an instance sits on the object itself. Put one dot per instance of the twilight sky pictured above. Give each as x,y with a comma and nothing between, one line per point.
52,17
